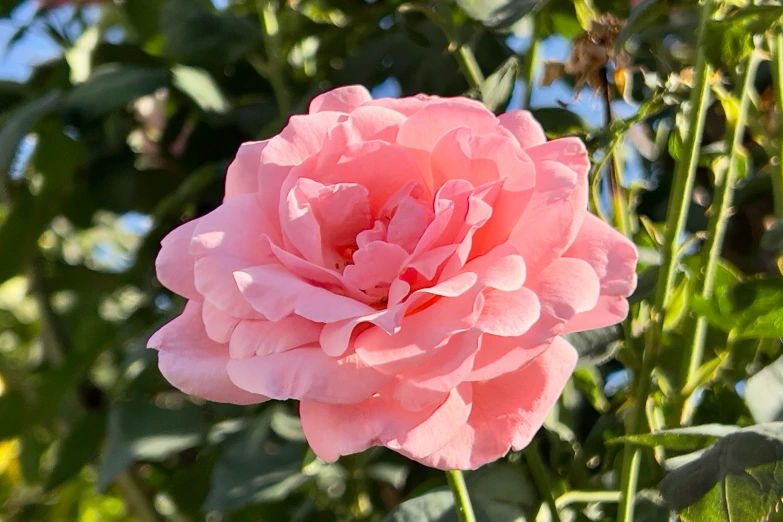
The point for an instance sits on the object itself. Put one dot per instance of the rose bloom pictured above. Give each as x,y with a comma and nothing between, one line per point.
402,267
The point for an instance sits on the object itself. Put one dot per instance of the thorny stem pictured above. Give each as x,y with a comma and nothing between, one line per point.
776,44
679,201
721,210
272,69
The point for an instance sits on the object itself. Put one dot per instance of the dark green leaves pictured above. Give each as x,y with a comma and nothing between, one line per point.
739,478
112,88
685,439
748,309
141,431
255,467
21,122
195,36
496,89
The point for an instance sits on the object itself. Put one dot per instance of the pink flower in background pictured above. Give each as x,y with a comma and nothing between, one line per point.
402,267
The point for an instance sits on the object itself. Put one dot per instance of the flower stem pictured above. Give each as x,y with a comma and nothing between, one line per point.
679,201
461,497
716,229
536,467
776,43
267,14
586,497
530,78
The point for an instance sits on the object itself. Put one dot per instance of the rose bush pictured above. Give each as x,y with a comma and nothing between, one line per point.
402,267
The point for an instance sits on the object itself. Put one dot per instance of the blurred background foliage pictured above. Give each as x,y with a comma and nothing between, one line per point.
118,121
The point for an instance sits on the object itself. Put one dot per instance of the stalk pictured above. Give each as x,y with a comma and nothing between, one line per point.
679,201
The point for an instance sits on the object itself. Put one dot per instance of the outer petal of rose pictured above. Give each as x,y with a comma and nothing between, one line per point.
307,374
509,314
366,123
500,355
439,427
612,256
333,430
608,311
275,292
570,152
214,276
505,414
565,288
524,127
234,229
410,105
194,363
301,139
242,174
174,265
341,99
552,217
217,323
251,338
430,382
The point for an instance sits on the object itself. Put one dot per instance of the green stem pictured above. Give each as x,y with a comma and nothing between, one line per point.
586,497
777,80
470,67
135,498
716,229
537,469
530,73
461,497
679,201
267,14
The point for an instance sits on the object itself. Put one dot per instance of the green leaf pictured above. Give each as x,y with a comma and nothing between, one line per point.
497,88
595,346
764,393
644,14
686,439
255,468
739,478
504,493
195,36
436,505
749,309
20,123
111,88
500,13
287,426
559,122
77,449
139,431
201,87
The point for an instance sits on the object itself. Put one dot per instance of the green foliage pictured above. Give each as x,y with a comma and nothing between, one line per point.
738,478
127,132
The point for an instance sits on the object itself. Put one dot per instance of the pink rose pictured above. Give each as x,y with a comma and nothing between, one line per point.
402,267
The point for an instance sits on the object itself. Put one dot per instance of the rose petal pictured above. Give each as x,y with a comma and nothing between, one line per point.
341,99
242,173
527,131
194,363
307,374
506,415
612,256
174,266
